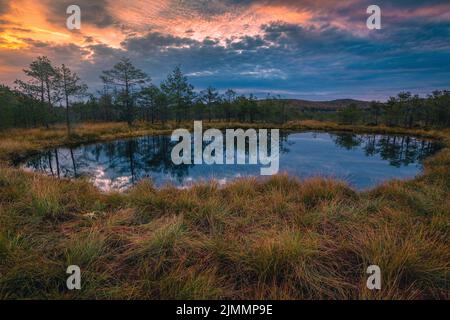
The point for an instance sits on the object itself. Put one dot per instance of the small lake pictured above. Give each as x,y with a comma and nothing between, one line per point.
363,160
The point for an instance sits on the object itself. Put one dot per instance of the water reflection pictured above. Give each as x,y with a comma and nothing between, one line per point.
398,150
362,160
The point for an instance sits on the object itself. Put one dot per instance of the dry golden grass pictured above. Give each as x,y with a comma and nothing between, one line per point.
275,239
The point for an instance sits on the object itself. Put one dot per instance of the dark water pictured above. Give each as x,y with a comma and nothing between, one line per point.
362,160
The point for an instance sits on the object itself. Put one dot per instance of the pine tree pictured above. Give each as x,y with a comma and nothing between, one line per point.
210,97
179,92
126,76
148,97
40,85
69,85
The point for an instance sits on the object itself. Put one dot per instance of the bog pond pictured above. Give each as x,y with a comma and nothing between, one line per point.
363,160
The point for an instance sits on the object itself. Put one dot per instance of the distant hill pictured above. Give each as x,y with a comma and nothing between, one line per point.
332,105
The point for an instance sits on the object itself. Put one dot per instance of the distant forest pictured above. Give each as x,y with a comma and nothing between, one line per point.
54,94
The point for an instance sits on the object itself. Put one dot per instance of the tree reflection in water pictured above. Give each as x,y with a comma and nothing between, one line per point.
120,164
398,150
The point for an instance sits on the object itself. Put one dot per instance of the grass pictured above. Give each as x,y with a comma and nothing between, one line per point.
279,238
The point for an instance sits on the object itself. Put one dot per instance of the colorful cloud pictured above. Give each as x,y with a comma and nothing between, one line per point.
317,49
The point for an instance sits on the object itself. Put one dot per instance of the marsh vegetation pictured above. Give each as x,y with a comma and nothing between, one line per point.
279,238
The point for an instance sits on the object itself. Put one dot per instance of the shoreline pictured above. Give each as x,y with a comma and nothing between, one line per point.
289,130
91,133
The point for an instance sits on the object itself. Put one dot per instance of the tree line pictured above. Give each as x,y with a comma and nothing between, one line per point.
404,110
54,94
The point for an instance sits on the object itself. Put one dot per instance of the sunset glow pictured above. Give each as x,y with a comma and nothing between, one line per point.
262,41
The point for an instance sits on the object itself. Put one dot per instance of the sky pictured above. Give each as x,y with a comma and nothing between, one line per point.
312,49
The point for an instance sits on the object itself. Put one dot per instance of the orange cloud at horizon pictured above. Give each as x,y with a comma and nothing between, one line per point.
245,23
161,17
27,20
27,24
